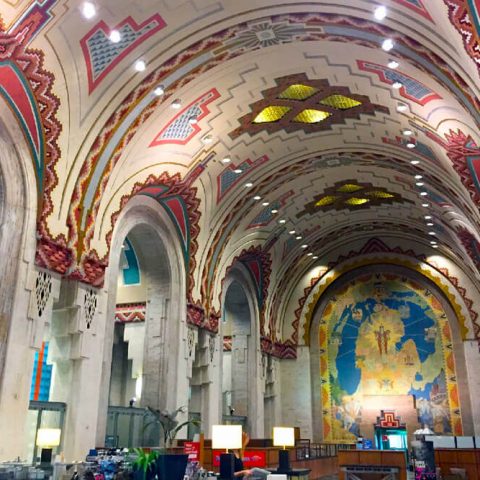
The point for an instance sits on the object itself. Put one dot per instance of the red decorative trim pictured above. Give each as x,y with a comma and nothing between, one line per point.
209,97
459,146
420,10
227,343
461,18
130,312
94,82
195,314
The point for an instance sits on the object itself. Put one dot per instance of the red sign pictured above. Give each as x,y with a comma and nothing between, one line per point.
192,449
251,458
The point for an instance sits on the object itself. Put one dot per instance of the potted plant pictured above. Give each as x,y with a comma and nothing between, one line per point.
144,463
170,466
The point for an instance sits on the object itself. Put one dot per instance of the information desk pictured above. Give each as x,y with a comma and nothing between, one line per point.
349,460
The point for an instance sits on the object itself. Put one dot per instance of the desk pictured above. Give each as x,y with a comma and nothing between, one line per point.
294,472
384,472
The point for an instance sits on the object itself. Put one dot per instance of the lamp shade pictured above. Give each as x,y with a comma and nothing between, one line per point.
48,437
227,436
283,436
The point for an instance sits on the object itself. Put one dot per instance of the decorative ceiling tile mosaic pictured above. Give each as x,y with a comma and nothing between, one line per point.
266,215
298,103
180,130
102,55
352,195
233,174
411,88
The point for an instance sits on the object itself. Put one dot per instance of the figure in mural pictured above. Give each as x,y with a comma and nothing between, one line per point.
384,339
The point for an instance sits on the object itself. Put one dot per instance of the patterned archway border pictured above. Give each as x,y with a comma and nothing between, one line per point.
333,274
92,268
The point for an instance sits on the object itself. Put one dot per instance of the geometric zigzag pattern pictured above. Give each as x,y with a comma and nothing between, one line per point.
411,89
102,55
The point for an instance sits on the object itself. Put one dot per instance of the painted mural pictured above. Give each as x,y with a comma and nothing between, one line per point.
386,335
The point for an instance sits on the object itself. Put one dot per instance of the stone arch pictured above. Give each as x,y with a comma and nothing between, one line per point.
457,358
239,300
18,216
165,382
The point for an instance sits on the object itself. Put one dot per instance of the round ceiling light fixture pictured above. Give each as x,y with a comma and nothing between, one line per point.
207,139
192,120
274,210
401,107
380,12
393,64
159,91
410,144
407,132
414,162
237,171
265,204
115,36
257,197
88,10
388,44
396,86
140,65
176,104
226,160
249,185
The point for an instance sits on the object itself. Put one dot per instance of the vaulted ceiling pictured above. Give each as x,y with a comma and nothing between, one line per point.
288,127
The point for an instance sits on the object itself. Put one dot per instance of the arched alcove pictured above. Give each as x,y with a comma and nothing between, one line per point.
160,377
385,337
242,389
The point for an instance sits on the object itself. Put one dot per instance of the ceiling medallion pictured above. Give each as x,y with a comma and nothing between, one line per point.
352,195
297,103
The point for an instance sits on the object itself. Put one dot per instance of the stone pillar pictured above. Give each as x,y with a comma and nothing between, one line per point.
31,314
472,361
240,374
271,394
297,394
206,379
77,353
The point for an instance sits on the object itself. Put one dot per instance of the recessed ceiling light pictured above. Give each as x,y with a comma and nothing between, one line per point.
380,12
410,145
401,107
304,245
115,36
265,204
140,65
257,197
274,210
433,242
425,205
192,120
291,232
249,184
226,160
207,139
434,246
309,254
388,44
397,85
282,221
89,10
430,224
315,257
393,64
237,170
298,237
432,233
176,104
159,91
419,184
423,194
414,162
428,217
407,132
418,177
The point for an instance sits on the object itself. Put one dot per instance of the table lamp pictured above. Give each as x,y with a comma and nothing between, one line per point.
227,437
283,437
47,438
